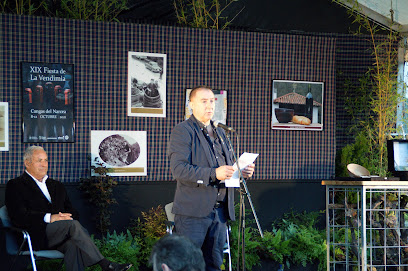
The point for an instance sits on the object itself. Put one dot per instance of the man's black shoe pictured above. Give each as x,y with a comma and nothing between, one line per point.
119,267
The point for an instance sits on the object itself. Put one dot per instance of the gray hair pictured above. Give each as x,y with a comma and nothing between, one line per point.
28,153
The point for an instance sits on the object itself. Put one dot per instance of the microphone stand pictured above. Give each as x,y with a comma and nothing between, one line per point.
241,228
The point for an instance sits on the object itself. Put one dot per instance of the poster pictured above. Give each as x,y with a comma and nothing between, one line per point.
48,102
297,105
4,127
123,152
146,84
220,113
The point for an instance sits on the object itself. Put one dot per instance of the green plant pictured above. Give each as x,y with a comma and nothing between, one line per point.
360,152
203,13
274,247
154,225
120,248
21,7
307,245
251,247
96,10
374,103
295,239
149,230
99,190
251,242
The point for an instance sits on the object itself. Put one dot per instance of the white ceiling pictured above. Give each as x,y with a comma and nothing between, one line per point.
400,8
379,10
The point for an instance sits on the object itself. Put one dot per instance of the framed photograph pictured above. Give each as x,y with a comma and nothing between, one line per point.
220,113
297,105
123,152
4,127
146,84
47,91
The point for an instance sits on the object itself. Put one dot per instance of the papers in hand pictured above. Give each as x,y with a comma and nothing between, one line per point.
243,161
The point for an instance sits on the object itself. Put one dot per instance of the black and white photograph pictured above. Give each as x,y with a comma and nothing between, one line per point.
220,113
48,102
124,153
4,127
297,105
146,84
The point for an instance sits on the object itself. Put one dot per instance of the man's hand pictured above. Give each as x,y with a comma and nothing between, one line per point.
224,172
248,171
60,216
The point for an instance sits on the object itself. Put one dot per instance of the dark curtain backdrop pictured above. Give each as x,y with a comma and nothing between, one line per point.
242,63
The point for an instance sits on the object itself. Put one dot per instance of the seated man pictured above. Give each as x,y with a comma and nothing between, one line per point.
176,253
41,206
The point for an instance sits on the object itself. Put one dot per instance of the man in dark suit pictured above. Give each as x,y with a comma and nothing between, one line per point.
41,206
200,161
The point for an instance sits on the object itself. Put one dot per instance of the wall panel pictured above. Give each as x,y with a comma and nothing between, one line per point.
242,63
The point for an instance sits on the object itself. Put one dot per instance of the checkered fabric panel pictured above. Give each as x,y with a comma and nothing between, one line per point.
242,63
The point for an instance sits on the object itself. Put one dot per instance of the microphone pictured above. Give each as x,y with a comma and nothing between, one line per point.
223,126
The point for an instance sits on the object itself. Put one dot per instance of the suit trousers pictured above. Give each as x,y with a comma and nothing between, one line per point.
69,237
209,233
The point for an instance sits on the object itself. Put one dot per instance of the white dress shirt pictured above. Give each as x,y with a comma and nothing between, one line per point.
43,186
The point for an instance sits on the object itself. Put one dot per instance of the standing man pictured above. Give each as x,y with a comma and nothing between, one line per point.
200,161
41,206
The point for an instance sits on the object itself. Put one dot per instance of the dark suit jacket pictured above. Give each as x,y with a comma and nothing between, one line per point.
191,162
27,205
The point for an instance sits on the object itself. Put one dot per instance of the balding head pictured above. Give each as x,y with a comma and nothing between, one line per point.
196,89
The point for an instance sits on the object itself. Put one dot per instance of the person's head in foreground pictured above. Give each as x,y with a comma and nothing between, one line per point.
176,253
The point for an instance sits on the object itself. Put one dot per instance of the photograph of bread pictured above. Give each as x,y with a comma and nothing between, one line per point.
297,105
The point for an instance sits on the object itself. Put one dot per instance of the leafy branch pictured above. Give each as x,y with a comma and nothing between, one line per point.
96,10
21,7
203,14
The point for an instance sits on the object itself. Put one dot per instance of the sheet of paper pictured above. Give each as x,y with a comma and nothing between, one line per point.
243,161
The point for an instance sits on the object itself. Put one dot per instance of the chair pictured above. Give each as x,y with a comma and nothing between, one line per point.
170,228
170,218
14,249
